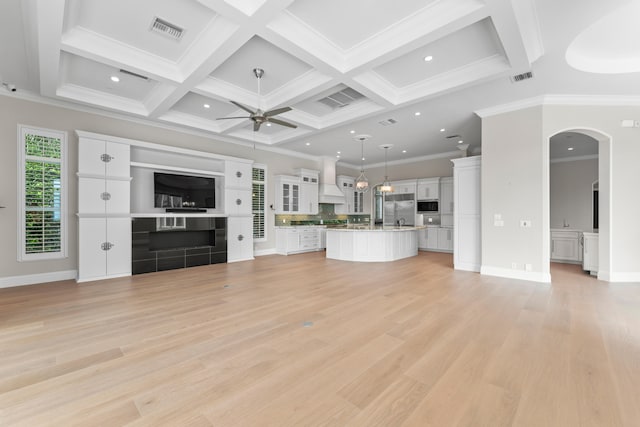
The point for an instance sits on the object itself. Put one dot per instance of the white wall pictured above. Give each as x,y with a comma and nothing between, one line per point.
571,193
515,182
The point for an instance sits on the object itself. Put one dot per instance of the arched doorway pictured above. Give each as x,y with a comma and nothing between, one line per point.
557,216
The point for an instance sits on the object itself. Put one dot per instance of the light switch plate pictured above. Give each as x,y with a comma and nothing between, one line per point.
526,223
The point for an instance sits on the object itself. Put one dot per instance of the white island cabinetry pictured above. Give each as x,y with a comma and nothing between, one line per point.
374,244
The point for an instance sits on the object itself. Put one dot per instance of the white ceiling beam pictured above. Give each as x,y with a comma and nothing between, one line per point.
506,25
49,23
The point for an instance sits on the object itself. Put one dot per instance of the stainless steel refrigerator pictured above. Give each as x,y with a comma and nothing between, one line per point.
399,209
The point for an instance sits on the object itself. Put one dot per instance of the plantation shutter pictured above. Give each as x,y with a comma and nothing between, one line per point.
258,200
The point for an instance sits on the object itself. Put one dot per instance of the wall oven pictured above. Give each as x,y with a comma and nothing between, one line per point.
428,206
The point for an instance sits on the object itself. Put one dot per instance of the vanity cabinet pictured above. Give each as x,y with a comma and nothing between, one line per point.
566,246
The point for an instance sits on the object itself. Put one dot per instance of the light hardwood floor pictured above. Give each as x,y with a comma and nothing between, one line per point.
408,343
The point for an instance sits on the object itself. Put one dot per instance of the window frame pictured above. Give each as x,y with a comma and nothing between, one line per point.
23,130
264,199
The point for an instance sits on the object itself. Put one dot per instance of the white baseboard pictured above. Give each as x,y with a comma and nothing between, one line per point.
33,279
532,276
240,260
620,277
466,266
264,252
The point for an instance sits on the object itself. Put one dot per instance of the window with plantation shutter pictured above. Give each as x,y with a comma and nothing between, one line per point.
258,200
42,193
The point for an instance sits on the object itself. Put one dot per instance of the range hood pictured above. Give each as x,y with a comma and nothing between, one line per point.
329,191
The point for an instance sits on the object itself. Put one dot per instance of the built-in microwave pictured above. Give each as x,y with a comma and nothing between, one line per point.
425,206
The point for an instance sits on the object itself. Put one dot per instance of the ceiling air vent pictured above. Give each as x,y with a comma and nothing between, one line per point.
166,28
341,99
520,77
132,74
388,122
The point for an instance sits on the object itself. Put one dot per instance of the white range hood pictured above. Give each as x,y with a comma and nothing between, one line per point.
329,191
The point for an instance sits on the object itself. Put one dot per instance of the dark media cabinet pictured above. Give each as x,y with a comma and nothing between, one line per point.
172,242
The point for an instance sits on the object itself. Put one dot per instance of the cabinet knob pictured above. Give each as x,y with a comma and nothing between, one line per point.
238,202
239,174
105,196
240,237
106,158
106,246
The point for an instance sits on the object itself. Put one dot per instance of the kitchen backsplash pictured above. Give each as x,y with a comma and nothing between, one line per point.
326,215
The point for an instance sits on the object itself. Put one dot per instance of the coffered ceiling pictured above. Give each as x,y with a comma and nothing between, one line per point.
344,67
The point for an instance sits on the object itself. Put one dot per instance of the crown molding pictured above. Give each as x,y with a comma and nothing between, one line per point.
447,155
566,100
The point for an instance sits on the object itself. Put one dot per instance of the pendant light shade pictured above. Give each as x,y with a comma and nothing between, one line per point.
362,183
386,185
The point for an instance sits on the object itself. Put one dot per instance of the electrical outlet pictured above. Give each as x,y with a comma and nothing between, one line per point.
528,267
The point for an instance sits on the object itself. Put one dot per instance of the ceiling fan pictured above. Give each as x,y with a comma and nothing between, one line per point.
258,116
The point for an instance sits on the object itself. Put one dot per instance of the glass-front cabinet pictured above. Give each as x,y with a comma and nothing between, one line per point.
287,194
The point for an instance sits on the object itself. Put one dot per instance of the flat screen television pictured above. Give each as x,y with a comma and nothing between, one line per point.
183,191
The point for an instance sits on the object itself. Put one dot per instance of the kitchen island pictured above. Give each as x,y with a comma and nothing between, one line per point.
372,244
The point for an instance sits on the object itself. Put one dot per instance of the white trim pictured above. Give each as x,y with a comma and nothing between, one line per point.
22,256
173,169
620,277
531,276
240,260
34,279
575,158
447,155
264,252
573,100
93,279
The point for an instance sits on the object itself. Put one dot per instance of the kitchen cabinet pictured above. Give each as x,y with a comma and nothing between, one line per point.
287,194
445,239
347,185
446,196
428,189
104,224
292,240
308,192
432,238
590,253
466,217
404,187
566,246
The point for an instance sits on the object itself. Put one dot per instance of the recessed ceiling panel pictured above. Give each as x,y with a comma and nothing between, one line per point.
96,76
129,22
204,107
347,23
279,67
463,47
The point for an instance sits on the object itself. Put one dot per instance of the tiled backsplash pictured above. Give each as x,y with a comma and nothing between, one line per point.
326,215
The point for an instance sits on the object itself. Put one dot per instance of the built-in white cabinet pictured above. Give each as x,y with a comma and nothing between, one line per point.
347,185
428,189
292,240
466,214
287,194
237,174
404,187
104,223
436,239
566,246
445,239
309,181
446,196
238,201
590,258
239,238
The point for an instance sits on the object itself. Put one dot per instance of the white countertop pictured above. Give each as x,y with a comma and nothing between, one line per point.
378,228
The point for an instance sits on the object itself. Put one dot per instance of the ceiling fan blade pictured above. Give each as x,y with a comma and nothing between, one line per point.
244,107
277,111
256,126
281,122
226,118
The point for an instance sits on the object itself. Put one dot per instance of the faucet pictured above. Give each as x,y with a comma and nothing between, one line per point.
401,221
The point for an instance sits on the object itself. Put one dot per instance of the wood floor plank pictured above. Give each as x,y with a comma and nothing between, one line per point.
306,341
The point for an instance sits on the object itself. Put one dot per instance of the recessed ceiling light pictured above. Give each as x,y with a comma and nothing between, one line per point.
428,58
417,113
460,142
442,130
207,106
352,131
404,151
269,124
307,144
338,157
338,152
570,148
115,79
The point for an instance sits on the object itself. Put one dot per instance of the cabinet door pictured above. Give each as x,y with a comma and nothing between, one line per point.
91,195
293,241
118,261
238,202
117,196
445,239
309,198
295,198
358,202
432,238
92,259
565,248
90,153
118,164
285,197
239,239
238,175
422,238
446,197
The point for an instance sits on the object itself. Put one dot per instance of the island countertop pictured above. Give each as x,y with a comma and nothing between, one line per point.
392,228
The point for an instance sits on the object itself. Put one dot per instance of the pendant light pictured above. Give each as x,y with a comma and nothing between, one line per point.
386,185
362,183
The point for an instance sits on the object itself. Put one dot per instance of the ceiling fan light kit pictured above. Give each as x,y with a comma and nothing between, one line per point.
258,116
